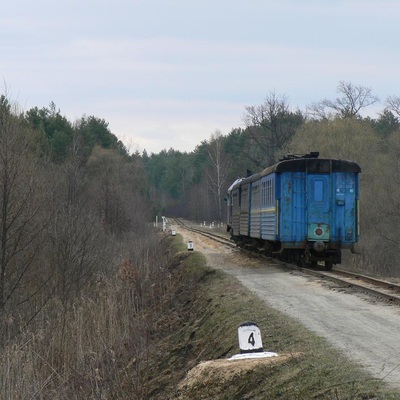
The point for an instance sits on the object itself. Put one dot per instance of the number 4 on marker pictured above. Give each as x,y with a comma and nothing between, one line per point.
251,339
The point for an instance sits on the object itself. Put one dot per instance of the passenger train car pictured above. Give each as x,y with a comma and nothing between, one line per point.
303,209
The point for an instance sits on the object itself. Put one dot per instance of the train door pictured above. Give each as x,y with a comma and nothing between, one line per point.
346,228
298,218
236,211
319,208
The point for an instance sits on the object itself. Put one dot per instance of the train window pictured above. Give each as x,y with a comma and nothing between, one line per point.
318,190
270,199
345,183
263,193
350,182
339,184
267,195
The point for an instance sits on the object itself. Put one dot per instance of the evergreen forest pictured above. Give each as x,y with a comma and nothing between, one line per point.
78,250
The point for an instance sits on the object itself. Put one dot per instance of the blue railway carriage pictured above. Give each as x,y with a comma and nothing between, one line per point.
303,209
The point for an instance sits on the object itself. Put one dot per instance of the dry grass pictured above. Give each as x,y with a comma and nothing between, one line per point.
83,349
78,353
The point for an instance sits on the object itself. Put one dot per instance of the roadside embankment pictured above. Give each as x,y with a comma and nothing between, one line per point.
190,351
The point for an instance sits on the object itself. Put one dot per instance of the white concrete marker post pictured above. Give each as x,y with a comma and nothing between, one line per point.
250,338
250,342
173,233
190,245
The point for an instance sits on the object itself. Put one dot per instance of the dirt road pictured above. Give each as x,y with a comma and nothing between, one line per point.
368,332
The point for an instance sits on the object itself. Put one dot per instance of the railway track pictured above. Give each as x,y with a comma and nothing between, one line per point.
379,289
214,236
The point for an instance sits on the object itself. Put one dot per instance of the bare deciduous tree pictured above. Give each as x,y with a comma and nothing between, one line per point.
218,171
393,104
271,125
22,198
77,250
351,100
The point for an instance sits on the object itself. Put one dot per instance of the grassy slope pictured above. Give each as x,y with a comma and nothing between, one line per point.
202,325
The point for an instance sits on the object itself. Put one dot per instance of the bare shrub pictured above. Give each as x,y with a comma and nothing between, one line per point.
23,197
98,347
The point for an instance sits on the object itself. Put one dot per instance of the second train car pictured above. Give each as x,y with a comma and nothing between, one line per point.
303,209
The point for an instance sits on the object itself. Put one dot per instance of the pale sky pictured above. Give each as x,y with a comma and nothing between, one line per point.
170,73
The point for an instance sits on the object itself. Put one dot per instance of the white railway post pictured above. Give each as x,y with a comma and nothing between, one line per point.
249,338
250,342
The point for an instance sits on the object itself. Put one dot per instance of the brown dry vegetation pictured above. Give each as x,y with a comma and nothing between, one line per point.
97,347
80,267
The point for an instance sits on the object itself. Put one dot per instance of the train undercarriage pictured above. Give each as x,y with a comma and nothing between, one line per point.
302,254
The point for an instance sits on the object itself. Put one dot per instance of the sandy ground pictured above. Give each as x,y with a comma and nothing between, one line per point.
367,331
222,370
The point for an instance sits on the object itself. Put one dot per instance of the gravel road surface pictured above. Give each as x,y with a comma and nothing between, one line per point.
366,330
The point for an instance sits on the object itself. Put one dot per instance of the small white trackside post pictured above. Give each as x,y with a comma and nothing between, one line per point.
249,338
190,246
250,342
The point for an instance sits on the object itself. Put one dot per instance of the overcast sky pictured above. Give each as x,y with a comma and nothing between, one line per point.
169,73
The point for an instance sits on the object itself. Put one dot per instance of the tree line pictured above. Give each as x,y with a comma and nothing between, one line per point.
78,257
63,189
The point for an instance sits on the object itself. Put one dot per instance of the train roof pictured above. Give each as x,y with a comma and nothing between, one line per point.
311,165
